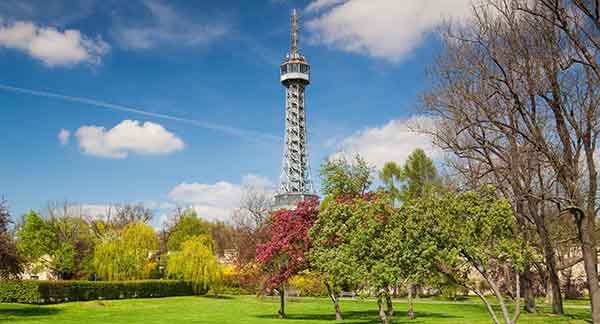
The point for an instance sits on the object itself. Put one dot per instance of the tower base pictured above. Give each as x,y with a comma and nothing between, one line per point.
291,200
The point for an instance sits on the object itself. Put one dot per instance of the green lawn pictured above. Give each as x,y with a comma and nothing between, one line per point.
249,309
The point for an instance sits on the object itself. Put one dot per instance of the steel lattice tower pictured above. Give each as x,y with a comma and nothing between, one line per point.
295,183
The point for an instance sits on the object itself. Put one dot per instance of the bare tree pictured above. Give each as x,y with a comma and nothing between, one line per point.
249,219
118,216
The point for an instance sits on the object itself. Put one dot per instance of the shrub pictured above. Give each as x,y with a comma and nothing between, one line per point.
308,285
25,292
49,292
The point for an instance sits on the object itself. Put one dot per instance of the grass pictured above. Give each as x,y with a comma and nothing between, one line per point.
249,309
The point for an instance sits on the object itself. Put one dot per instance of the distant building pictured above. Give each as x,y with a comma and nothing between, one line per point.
229,256
39,270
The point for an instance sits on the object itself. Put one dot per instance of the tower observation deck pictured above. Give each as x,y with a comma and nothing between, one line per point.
295,183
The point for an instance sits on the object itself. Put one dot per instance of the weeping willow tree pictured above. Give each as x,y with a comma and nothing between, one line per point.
196,262
124,255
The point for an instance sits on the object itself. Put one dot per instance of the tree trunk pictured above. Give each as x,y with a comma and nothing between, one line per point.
528,294
550,260
382,315
336,302
390,306
590,261
410,312
282,302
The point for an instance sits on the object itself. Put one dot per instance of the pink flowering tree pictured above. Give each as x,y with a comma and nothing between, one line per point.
284,255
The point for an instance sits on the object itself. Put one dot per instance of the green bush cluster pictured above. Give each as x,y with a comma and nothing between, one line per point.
25,292
51,292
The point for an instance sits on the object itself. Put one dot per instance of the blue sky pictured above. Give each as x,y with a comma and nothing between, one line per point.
209,63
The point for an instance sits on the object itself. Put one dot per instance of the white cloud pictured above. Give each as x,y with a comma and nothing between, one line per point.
218,200
64,136
166,25
52,46
387,29
320,4
392,142
127,137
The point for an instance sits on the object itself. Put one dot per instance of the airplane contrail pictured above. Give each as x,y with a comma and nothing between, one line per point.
244,133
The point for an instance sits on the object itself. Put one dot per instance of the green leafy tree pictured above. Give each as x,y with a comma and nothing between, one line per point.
124,255
64,259
411,181
343,178
36,240
332,253
187,226
477,231
196,262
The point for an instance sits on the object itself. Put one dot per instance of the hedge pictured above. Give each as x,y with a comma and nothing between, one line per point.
51,292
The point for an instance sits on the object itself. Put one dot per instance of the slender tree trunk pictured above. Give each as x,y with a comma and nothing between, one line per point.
390,306
410,312
336,302
590,261
550,260
528,294
282,302
382,315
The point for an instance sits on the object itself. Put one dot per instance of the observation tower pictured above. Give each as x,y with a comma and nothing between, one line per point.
295,182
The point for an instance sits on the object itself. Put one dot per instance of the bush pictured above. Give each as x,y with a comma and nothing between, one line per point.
308,285
49,292
25,292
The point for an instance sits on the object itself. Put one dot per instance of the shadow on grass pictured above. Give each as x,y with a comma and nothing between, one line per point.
31,311
358,317
217,297
584,318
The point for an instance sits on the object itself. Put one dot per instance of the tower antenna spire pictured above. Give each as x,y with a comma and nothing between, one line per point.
294,34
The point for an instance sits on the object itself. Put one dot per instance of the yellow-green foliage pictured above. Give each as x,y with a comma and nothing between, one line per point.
196,262
308,284
125,255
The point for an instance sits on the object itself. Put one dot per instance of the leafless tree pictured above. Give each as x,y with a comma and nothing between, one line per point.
118,216
249,219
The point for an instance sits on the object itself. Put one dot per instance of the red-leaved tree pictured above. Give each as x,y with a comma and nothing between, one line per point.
284,255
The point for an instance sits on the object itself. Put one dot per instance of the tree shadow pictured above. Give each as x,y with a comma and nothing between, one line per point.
217,297
579,317
30,311
359,317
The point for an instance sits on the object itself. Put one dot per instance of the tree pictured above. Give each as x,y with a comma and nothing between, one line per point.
10,263
517,95
332,254
35,238
284,255
415,179
223,235
74,241
187,226
195,262
342,178
369,220
473,231
124,256
249,221
118,217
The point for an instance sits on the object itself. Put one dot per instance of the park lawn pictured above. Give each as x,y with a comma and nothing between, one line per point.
249,309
